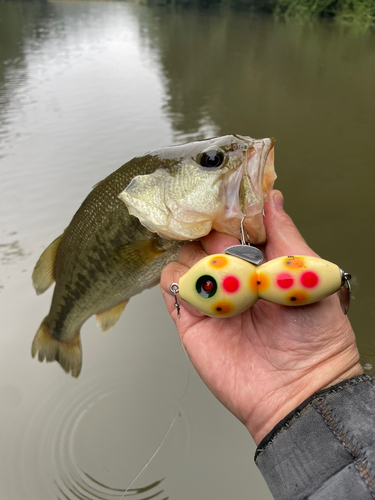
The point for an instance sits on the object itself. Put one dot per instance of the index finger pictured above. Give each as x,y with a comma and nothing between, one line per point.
216,242
283,237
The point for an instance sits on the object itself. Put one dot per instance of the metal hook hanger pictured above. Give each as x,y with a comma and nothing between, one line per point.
245,251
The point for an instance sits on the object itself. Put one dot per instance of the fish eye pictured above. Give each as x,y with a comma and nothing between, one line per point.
212,158
206,286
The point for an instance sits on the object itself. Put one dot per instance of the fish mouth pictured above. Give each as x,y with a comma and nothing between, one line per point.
246,191
258,179
258,176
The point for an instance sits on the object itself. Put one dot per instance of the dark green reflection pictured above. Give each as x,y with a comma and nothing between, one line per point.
309,86
359,13
22,27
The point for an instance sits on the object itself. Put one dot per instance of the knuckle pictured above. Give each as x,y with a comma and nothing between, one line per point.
190,254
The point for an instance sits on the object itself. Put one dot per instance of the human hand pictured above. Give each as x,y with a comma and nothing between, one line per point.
264,362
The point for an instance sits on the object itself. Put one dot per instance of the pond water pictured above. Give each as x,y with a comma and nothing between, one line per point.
84,87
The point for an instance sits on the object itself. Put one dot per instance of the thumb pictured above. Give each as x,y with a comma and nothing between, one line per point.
283,237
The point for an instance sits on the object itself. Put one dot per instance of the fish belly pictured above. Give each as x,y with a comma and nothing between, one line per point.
108,271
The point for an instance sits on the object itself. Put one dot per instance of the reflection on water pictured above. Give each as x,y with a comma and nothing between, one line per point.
88,488
88,492
84,443
131,491
85,86
11,251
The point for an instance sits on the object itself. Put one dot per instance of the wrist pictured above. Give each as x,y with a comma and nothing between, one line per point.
290,396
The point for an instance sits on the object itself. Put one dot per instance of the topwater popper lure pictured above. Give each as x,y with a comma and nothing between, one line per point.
224,285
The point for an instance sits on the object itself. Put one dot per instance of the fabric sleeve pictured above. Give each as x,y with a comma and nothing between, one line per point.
325,448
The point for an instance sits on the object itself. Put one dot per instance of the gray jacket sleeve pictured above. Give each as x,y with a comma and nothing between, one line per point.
325,448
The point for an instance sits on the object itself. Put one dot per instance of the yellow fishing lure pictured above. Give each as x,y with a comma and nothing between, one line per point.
225,285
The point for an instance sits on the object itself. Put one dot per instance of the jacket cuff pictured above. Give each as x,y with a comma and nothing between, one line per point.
325,448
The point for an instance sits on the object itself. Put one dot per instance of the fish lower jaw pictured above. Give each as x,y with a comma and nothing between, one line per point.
185,232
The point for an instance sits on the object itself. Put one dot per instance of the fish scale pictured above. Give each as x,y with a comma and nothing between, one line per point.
108,253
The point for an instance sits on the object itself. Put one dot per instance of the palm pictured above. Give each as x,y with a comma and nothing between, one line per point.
248,360
264,362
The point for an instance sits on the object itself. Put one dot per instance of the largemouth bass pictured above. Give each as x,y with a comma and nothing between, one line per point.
135,221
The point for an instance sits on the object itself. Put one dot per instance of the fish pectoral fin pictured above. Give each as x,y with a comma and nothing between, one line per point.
131,256
141,253
68,354
43,275
107,319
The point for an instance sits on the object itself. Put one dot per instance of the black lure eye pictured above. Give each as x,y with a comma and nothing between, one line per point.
212,158
206,286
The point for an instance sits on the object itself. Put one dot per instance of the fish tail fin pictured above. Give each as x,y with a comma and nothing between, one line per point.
68,354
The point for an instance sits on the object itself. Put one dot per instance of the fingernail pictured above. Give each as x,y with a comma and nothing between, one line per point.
278,200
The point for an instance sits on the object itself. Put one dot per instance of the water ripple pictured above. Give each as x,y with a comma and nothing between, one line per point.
73,439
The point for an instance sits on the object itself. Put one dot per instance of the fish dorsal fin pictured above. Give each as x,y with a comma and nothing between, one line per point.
107,319
43,275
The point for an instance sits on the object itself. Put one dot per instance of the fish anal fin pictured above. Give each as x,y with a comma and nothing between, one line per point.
107,319
43,275
68,354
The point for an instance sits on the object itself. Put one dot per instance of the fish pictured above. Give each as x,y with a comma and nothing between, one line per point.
135,221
